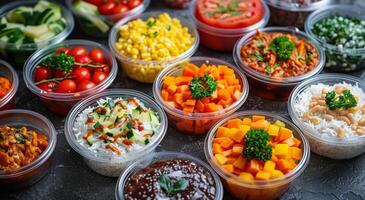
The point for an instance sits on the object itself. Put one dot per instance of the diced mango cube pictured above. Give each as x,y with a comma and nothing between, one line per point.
263,175
229,168
260,124
247,175
295,153
217,148
257,118
244,128
273,130
279,123
222,132
281,150
246,121
227,143
221,159
276,174
238,135
269,166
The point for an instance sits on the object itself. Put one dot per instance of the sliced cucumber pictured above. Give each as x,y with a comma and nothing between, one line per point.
90,140
19,15
36,31
90,12
145,117
154,118
135,113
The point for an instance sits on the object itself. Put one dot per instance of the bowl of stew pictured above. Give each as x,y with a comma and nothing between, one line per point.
27,142
9,82
221,23
276,59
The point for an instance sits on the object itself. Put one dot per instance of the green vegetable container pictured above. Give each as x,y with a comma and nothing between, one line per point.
17,52
340,58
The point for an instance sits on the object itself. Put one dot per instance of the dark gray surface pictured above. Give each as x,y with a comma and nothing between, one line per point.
70,178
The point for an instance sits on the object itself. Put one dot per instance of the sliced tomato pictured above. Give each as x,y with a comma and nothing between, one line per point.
229,13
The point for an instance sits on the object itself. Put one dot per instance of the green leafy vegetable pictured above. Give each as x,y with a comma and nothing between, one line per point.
283,47
198,89
170,187
346,100
60,61
257,146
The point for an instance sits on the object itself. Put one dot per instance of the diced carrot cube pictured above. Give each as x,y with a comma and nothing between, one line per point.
284,134
231,89
182,88
171,89
165,95
190,102
240,163
224,94
234,123
211,107
253,167
257,118
263,175
178,98
229,168
237,149
297,142
227,143
217,148
187,95
221,159
222,132
227,153
236,95
221,83
238,136
274,158
289,141
205,100
188,109
183,80
168,80
218,140
260,124
231,160
199,106
283,165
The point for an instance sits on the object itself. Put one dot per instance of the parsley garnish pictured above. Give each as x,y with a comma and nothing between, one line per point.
198,89
258,56
346,100
283,47
257,146
60,61
169,187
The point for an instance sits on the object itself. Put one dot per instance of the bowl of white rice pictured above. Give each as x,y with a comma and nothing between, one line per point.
114,128
330,110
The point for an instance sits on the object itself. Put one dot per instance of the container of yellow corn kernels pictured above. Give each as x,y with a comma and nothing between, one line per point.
147,43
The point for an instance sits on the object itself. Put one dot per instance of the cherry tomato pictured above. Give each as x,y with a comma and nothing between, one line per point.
97,55
62,49
78,51
82,59
42,73
124,2
105,69
118,9
66,86
85,85
81,73
95,2
98,77
134,3
48,87
106,8
58,73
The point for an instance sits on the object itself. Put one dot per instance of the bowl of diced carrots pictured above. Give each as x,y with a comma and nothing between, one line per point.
257,154
198,92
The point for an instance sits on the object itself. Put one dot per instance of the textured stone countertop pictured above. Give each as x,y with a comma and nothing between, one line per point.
70,178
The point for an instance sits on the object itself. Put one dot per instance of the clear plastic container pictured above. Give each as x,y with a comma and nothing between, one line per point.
8,101
224,39
142,70
100,25
331,147
61,103
17,54
276,89
287,13
177,4
158,156
257,189
28,174
111,165
197,123
338,59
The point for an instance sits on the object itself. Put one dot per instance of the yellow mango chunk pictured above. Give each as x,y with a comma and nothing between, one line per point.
279,123
221,159
263,175
276,173
273,130
269,166
246,175
281,150
246,121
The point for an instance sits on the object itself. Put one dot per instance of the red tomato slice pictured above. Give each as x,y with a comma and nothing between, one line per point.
229,13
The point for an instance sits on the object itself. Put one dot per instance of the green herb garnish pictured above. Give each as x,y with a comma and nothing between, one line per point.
19,138
346,100
130,134
198,89
146,141
97,125
60,61
170,187
151,23
257,146
283,47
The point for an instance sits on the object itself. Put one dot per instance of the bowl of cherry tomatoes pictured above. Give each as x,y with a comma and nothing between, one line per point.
96,17
65,73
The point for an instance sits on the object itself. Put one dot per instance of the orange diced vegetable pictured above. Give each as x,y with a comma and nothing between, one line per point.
240,163
217,148
211,107
295,153
237,149
171,89
222,132
234,123
253,167
246,121
165,95
284,134
229,168
227,143
263,175
224,94
260,124
221,159
257,118
227,153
